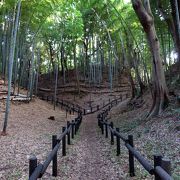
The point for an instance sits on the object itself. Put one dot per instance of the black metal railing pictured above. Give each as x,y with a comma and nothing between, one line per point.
37,170
162,167
66,105
71,107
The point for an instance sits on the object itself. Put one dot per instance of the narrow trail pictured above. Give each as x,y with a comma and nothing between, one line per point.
89,158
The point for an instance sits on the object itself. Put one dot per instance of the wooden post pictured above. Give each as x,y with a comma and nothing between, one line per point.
102,127
157,162
112,134
64,143
118,143
54,161
84,111
75,125
99,122
68,134
72,132
106,129
32,164
131,157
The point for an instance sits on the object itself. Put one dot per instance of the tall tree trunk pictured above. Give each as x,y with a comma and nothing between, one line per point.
176,20
62,64
127,67
55,87
76,70
11,59
31,75
51,51
160,92
37,70
172,23
140,82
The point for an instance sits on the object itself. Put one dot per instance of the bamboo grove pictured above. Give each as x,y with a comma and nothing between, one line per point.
94,39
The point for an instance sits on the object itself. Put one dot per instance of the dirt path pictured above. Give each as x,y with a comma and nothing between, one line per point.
90,157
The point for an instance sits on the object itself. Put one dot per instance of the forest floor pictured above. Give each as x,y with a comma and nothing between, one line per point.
159,135
29,132
90,155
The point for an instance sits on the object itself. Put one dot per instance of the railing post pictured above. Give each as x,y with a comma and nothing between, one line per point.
78,123
80,118
166,165
75,125
98,122
84,111
72,132
157,162
106,129
54,161
131,157
109,108
64,142
102,127
112,133
68,134
118,143
32,164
